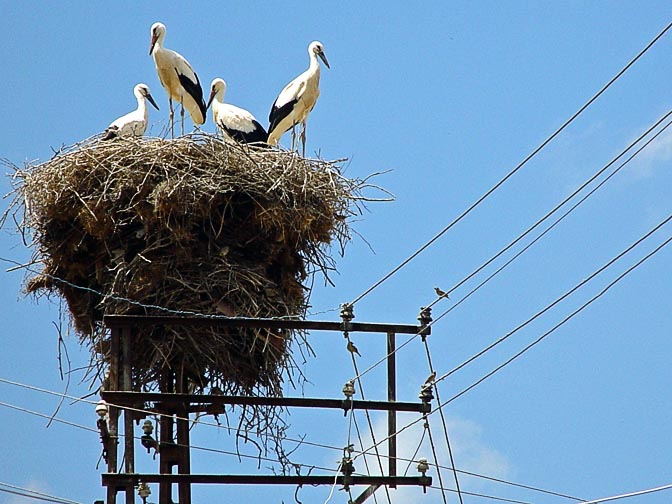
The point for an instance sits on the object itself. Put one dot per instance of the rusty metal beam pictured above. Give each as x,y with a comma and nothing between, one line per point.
121,480
268,323
170,402
366,494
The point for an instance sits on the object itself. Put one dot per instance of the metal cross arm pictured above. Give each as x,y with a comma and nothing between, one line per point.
201,402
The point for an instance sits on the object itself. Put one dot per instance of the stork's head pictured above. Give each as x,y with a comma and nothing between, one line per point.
317,49
157,32
142,90
217,89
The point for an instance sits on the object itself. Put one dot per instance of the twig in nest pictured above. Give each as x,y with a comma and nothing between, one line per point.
63,346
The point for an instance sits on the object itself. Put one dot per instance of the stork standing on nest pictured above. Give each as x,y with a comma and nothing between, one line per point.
297,99
235,123
178,78
134,123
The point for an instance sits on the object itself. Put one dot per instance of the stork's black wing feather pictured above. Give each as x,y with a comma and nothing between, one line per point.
279,113
110,133
194,89
257,135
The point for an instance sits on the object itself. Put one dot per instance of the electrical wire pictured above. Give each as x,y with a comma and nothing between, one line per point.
48,417
541,235
557,300
628,495
147,411
236,454
443,423
90,429
483,496
366,412
366,462
224,452
561,323
538,237
139,438
520,485
28,496
570,197
436,462
546,334
33,494
114,297
417,450
512,172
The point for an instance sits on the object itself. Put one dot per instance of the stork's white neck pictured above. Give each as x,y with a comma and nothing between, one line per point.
314,63
219,96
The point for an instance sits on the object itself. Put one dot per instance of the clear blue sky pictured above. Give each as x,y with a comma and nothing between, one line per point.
449,96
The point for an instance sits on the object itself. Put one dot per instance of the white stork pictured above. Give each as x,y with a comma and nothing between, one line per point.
134,123
177,77
297,99
235,123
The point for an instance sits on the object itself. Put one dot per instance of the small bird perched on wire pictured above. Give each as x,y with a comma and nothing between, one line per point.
430,379
352,348
441,293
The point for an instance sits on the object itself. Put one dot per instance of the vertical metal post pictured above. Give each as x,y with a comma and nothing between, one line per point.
113,412
391,415
184,462
166,441
126,385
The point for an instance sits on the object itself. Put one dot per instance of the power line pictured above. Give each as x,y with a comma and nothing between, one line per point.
436,462
445,426
520,485
224,452
138,438
483,496
115,297
562,322
512,172
543,336
570,197
146,411
33,494
48,417
558,300
366,412
29,496
535,225
628,495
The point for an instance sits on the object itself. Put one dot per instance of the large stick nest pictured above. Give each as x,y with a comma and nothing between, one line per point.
156,226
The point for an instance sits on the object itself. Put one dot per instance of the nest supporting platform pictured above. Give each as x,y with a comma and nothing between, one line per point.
174,406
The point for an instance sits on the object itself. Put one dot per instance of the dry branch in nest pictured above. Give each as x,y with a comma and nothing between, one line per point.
150,226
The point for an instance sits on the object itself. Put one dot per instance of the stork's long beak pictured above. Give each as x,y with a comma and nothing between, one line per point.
151,100
323,57
212,97
151,45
